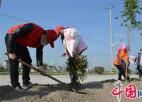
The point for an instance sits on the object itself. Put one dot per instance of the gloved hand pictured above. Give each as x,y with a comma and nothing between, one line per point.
42,69
77,57
12,56
64,54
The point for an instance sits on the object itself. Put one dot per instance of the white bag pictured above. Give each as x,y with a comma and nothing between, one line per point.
73,42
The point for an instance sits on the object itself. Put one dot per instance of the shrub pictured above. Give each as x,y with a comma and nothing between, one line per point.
114,71
2,69
99,70
77,68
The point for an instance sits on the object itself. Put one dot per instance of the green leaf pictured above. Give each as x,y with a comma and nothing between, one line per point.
77,67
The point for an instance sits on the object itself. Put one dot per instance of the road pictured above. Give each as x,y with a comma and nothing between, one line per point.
5,80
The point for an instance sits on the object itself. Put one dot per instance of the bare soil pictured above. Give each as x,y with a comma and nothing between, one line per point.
96,92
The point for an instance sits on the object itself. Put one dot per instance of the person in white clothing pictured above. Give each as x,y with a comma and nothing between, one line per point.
72,41
139,63
74,46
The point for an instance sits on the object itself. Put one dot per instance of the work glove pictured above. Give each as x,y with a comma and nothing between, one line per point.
42,70
12,56
64,54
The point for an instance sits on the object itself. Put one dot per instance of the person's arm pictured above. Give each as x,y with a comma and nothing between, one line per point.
39,56
63,42
138,58
19,33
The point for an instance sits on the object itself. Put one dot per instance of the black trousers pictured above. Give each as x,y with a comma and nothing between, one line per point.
139,71
23,54
121,71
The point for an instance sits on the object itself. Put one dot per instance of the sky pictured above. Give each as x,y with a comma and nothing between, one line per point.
89,17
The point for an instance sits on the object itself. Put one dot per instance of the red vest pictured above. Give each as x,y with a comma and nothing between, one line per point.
32,39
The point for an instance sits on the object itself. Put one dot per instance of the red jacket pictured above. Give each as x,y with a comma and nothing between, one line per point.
27,34
51,37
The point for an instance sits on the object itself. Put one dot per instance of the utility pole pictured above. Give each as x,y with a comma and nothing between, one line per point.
128,49
0,2
129,35
110,30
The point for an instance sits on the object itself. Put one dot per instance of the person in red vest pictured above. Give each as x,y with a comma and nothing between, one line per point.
121,62
17,39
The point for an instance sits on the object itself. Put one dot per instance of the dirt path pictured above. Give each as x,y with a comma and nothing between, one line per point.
4,79
96,92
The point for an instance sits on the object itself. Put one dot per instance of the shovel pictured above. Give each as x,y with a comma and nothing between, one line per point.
47,75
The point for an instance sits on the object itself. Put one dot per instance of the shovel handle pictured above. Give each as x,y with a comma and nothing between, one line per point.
36,69
45,74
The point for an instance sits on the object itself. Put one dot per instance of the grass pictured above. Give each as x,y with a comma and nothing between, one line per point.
62,73
36,73
4,73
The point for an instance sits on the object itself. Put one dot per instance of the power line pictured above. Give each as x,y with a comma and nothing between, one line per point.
21,19
13,17
97,42
17,18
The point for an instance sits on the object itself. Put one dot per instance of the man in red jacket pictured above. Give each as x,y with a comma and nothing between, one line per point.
17,39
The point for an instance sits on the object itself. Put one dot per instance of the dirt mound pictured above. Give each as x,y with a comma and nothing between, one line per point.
96,92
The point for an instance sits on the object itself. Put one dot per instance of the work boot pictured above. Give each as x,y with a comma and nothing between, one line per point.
43,70
18,88
128,79
29,85
75,85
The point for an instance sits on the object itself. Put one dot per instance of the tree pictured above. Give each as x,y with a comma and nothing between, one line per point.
131,9
77,69
3,69
99,70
